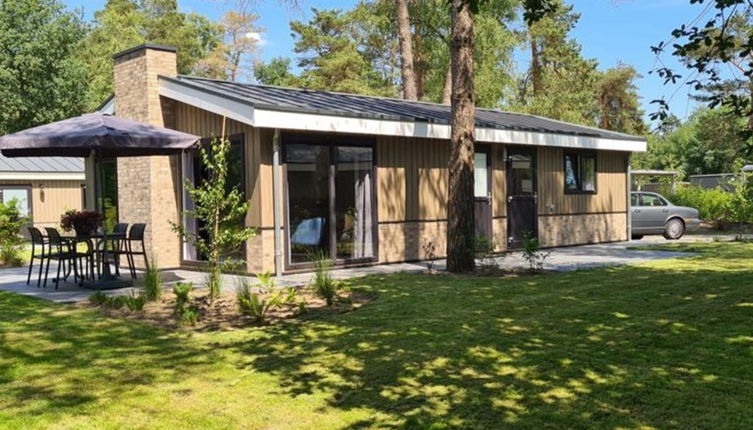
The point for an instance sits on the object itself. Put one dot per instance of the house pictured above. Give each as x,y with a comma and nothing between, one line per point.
363,179
45,187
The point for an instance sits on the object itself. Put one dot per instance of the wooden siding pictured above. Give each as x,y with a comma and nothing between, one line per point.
611,184
412,179
206,124
58,197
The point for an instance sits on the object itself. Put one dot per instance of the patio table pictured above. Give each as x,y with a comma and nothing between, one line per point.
104,278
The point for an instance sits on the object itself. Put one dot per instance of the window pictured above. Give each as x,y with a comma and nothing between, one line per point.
21,194
580,173
330,198
652,200
481,178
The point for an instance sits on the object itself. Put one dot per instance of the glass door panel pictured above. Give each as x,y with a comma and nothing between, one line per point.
354,212
308,200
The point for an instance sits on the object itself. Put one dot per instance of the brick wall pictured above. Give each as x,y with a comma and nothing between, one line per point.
148,187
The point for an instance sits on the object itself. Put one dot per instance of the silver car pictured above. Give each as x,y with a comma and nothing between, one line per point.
653,214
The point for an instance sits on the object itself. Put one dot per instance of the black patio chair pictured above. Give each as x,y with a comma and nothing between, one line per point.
39,251
60,250
135,236
118,244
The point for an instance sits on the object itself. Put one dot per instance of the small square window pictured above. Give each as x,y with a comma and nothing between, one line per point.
580,173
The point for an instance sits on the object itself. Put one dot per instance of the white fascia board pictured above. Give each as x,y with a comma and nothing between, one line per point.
385,127
302,121
222,106
42,176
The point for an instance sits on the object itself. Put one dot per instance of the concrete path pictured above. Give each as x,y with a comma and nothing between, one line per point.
560,259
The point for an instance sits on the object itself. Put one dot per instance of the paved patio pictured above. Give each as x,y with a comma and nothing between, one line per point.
560,259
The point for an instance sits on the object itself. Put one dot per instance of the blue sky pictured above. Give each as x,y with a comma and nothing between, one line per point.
611,31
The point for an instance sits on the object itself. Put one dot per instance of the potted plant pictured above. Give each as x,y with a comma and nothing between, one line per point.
84,223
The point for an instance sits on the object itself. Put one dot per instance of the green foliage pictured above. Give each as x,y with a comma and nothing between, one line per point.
718,205
257,304
41,80
532,253
484,249
187,313
712,205
221,210
152,282
182,291
98,298
190,316
329,55
710,141
123,24
11,223
322,283
561,84
134,302
275,72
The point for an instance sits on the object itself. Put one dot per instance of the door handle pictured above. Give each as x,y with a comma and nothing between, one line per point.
636,210
665,210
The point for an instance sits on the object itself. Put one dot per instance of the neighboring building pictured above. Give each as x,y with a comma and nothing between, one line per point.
44,186
362,178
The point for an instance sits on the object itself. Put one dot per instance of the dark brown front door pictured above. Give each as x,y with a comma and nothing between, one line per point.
482,208
521,195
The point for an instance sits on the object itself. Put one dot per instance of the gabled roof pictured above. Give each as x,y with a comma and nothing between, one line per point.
301,109
50,168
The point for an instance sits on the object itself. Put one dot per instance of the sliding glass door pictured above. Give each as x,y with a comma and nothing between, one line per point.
330,193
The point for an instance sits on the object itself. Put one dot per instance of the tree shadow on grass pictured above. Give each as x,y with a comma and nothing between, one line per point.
78,358
605,348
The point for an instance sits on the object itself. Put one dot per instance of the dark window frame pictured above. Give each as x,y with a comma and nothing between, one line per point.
578,157
331,141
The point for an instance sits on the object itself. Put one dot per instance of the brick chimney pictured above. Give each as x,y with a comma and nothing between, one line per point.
148,187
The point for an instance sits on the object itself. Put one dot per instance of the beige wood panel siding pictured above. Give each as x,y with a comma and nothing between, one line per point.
611,185
412,179
499,182
567,230
206,124
50,203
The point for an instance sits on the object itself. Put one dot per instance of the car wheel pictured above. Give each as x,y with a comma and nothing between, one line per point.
674,229
637,236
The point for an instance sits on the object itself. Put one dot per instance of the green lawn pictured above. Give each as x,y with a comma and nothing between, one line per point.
665,345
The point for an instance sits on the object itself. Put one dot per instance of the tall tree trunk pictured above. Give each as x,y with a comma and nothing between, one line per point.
406,50
447,91
418,55
460,220
535,67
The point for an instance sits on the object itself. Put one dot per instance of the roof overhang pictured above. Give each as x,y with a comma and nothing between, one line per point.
42,176
270,117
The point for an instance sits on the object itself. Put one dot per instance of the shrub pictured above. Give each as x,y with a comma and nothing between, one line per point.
532,253
322,283
712,205
134,302
483,250
82,222
98,298
182,291
257,304
152,282
11,223
430,253
190,316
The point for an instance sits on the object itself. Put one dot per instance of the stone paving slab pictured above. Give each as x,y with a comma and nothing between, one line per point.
560,259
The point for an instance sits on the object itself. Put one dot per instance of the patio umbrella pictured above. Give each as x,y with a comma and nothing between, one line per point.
103,134
100,136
